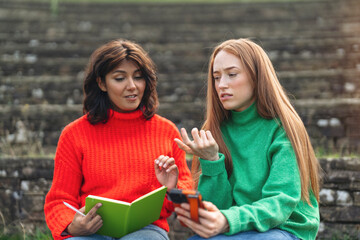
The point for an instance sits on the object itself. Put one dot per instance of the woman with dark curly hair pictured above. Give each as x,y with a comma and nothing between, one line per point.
119,149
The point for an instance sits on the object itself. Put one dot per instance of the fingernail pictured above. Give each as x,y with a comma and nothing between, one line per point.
165,165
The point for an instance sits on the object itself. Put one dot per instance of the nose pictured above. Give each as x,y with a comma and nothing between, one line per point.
131,84
222,82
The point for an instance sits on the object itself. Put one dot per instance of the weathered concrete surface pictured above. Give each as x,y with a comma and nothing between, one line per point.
24,183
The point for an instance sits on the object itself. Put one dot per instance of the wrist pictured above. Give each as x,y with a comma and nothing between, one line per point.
69,230
226,227
170,188
214,158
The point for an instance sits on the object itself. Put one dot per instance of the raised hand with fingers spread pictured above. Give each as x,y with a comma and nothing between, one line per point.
203,145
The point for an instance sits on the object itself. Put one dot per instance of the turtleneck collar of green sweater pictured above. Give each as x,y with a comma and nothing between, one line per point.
246,118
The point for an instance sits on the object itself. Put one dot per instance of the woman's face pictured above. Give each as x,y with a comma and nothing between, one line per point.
232,83
125,86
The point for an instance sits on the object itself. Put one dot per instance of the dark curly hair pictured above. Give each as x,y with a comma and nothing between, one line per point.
102,61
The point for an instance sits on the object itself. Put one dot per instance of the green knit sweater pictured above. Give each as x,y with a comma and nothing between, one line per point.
264,190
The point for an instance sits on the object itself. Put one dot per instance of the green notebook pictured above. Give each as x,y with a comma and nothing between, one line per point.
121,218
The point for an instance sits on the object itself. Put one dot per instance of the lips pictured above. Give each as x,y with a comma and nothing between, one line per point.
225,96
131,96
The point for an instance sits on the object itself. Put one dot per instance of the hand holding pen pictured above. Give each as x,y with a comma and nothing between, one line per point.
82,224
73,208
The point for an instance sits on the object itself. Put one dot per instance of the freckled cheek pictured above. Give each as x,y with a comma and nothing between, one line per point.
217,88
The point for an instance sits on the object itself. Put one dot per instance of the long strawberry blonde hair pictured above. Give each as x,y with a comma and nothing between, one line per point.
271,102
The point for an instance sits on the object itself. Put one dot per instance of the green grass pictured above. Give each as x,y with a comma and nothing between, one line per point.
20,235
16,230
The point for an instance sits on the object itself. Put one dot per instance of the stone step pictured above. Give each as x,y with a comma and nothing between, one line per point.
160,35
243,15
170,13
68,90
31,123
197,11
274,46
332,123
232,15
327,120
41,90
30,64
17,18
181,32
314,46
323,83
165,17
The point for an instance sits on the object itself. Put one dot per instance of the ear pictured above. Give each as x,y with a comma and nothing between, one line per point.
101,84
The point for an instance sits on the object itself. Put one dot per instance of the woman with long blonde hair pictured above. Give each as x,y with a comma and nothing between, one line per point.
253,160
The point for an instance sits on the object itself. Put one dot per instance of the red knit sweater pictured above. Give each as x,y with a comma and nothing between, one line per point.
114,160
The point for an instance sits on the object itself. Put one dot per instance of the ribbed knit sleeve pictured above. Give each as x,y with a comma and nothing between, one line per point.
184,180
214,184
65,186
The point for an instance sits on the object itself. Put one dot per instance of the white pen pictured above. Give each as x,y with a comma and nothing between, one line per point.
73,208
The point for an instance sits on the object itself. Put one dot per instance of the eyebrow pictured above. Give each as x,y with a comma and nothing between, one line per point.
228,68
122,71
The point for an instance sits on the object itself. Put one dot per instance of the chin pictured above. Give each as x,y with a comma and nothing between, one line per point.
228,108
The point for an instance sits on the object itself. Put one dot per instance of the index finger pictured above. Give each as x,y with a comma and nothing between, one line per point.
92,213
185,136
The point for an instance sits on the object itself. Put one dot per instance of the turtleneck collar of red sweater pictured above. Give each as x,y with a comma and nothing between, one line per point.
137,114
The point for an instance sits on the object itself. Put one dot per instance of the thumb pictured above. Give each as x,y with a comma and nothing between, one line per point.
210,206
